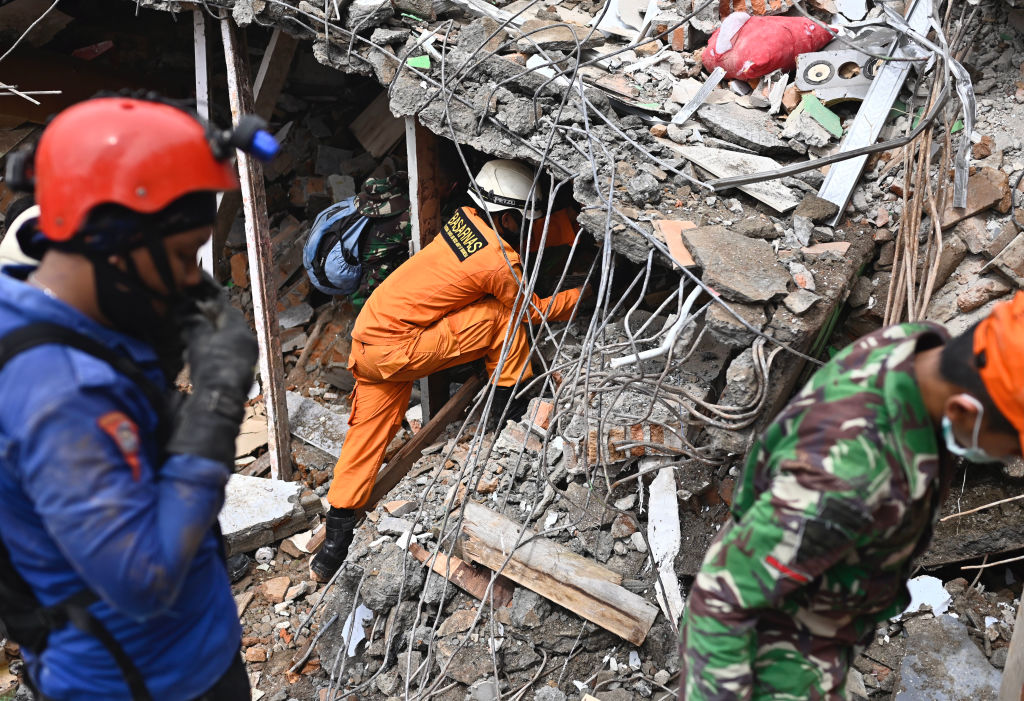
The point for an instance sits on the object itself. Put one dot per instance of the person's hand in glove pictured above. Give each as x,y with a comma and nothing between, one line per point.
221,352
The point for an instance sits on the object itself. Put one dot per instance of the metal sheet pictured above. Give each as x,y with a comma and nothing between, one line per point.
867,125
823,72
690,107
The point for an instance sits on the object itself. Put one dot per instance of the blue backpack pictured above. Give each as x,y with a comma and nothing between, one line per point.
331,253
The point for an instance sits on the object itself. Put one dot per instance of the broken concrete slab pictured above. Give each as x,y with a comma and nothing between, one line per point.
1010,261
800,300
318,426
329,159
983,236
389,525
367,13
954,250
298,315
274,590
943,664
482,33
980,293
750,129
723,163
259,511
804,128
563,36
741,269
986,188
727,329
757,226
816,209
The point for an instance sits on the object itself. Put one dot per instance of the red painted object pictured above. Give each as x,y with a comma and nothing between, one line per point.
750,47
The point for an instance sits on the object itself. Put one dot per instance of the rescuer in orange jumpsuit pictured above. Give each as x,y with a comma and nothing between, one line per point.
449,304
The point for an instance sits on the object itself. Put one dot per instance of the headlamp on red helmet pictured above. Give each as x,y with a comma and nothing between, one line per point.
138,154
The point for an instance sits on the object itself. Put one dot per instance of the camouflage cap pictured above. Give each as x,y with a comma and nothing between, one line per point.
384,197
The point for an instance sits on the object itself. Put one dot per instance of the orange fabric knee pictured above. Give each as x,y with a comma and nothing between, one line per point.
377,411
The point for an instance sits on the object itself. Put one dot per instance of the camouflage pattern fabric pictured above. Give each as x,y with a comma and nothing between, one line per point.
385,244
837,497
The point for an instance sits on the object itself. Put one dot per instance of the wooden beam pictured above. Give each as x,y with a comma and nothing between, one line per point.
202,107
273,72
471,579
425,201
257,236
392,473
270,80
1012,688
376,129
556,573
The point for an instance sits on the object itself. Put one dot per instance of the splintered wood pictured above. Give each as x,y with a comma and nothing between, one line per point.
556,573
664,535
376,128
472,580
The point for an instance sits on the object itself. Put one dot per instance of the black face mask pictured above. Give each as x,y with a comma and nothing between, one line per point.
132,307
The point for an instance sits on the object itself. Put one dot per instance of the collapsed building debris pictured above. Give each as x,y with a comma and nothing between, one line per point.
727,264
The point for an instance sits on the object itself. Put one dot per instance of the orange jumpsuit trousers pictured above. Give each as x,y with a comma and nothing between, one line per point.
384,379
447,305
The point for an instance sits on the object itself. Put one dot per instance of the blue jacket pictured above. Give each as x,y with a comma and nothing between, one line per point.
84,505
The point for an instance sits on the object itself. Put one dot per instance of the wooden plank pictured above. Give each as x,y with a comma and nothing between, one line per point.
425,200
664,536
243,600
273,72
257,236
392,473
424,182
376,129
723,163
556,573
1012,688
270,80
471,579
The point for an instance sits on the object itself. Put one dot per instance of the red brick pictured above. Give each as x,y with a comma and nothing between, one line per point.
273,590
679,39
256,654
240,270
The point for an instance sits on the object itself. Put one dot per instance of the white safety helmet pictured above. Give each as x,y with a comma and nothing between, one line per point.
505,184
11,253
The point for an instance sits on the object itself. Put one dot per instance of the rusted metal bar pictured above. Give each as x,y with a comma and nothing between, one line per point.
257,238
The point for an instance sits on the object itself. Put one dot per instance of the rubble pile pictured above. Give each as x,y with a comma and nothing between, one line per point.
700,291
951,643
424,629
735,249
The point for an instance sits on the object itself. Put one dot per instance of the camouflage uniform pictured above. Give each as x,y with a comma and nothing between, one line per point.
385,245
838,496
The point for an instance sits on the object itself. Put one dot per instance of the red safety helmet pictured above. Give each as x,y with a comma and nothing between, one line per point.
139,154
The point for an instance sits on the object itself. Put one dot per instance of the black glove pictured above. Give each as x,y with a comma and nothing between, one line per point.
221,352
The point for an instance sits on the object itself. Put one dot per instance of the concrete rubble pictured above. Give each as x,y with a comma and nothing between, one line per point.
257,511
580,468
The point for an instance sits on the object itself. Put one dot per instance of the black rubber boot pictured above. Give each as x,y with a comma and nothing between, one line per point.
238,566
341,524
503,398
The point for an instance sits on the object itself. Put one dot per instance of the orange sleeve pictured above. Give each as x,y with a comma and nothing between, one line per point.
557,307
504,285
562,229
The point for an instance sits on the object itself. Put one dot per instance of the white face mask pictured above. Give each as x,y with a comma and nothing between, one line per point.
974,453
